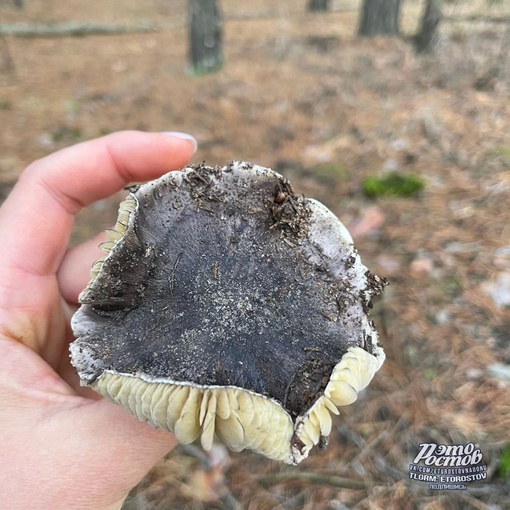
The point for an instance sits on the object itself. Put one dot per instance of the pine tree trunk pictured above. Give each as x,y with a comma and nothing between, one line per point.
205,36
379,17
426,38
7,68
318,5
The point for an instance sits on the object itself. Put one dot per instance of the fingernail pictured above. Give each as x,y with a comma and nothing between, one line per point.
184,136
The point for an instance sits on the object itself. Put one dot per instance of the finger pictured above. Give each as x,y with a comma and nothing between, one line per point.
37,217
74,272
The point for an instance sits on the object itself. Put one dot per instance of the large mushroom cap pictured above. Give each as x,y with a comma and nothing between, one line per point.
229,308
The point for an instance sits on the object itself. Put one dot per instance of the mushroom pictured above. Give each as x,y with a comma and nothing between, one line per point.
229,308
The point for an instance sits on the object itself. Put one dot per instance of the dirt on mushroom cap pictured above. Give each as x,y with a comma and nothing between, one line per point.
225,278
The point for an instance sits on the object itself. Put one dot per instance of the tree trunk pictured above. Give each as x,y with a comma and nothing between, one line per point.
426,38
205,37
498,71
7,69
318,5
379,17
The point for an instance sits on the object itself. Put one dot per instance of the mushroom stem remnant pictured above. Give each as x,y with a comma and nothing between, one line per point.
229,308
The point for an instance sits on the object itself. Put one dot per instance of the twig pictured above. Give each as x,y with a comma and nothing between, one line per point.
353,436
296,501
229,502
331,480
227,498
191,450
394,473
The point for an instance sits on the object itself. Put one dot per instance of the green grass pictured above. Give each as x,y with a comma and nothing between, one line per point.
393,184
504,463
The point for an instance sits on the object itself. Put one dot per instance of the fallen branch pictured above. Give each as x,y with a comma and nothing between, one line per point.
331,480
476,18
75,29
30,30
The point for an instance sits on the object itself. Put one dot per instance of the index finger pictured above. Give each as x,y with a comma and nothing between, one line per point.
37,217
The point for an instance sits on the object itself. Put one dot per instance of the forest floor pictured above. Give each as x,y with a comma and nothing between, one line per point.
301,94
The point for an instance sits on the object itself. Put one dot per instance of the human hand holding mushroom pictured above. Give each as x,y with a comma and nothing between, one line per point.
225,308
60,445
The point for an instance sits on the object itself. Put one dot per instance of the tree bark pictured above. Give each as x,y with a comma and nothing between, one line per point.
497,72
379,17
205,36
318,5
7,68
426,38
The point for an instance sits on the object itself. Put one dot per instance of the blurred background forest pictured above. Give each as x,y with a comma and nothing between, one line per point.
410,149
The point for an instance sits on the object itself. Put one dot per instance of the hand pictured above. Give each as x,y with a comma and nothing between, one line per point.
62,446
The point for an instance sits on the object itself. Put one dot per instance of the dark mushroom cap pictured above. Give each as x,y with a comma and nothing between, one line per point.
229,308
